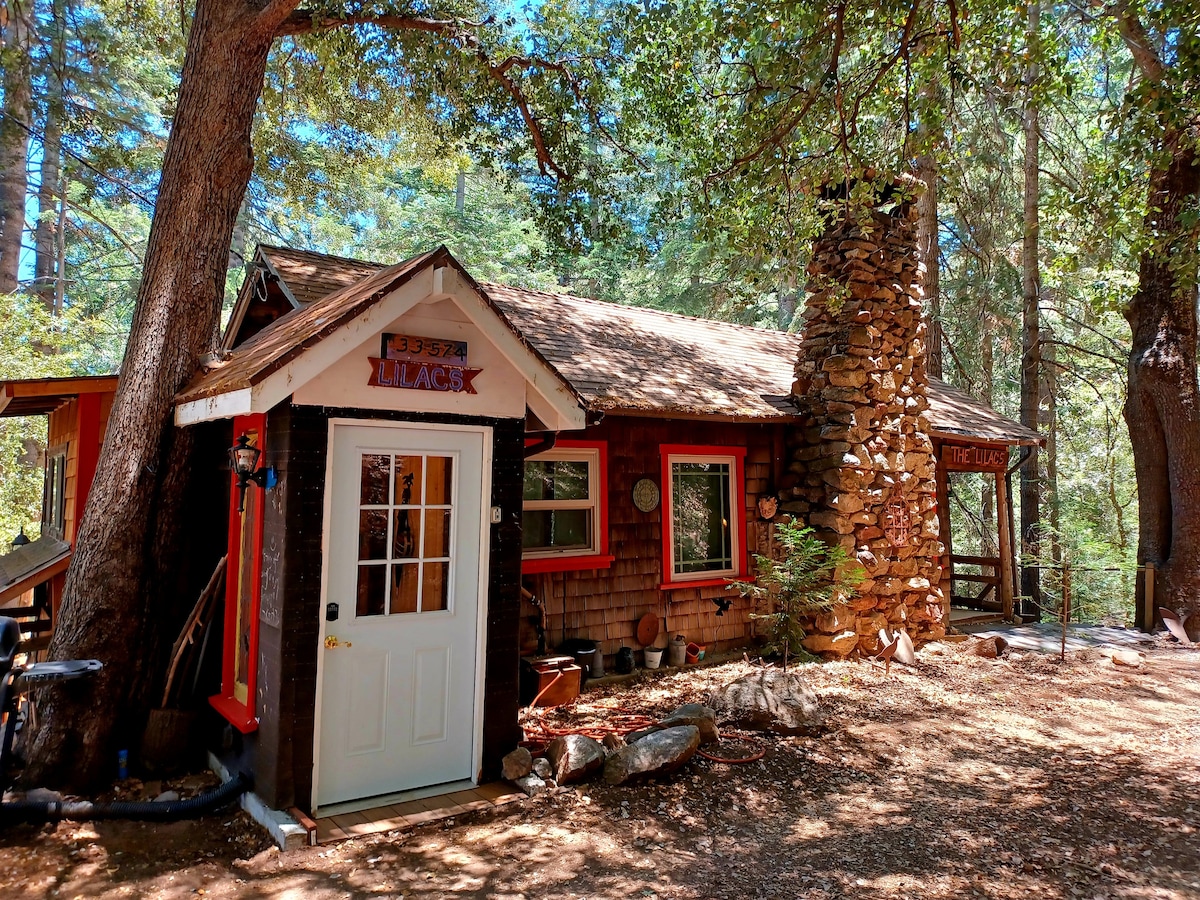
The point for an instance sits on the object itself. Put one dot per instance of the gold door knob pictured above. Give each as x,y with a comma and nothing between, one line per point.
331,642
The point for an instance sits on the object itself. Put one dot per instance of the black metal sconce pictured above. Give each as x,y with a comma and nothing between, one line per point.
243,458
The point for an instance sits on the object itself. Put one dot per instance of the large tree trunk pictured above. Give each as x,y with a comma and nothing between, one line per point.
1162,410
119,606
14,137
1031,525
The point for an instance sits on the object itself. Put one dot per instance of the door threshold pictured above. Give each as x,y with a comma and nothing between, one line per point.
421,793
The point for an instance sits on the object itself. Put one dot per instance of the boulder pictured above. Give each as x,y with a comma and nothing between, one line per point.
655,754
769,700
634,736
990,647
516,765
575,757
703,717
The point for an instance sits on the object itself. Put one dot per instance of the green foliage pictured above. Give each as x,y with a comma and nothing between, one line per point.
811,577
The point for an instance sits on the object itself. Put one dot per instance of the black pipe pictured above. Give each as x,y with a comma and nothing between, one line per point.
20,811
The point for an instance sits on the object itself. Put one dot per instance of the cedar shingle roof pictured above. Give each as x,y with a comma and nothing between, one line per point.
617,358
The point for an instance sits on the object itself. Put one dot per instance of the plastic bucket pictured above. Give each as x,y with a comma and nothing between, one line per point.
653,657
695,652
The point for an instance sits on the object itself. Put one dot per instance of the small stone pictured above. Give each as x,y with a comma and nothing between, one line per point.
613,742
43,795
167,797
517,764
531,785
1130,658
542,768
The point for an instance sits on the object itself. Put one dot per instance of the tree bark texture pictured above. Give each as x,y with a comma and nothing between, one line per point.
1031,525
17,63
1162,406
121,603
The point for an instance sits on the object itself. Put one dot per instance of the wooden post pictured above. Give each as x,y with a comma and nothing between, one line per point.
1066,590
942,480
1004,535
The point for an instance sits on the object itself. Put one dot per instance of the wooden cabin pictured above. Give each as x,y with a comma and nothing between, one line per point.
32,575
440,452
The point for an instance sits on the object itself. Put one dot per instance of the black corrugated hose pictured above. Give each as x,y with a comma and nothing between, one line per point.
20,811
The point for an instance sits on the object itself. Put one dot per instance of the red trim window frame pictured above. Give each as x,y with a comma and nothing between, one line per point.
596,557
236,700
736,457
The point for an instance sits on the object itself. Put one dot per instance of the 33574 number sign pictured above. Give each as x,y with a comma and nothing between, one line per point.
415,346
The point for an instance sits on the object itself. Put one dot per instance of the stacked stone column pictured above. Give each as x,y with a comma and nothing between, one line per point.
862,468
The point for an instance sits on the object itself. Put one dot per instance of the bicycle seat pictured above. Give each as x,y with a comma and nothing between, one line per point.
42,673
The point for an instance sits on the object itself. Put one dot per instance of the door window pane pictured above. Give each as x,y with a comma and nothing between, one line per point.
372,534
435,584
371,588
376,470
437,533
408,480
440,480
404,588
406,538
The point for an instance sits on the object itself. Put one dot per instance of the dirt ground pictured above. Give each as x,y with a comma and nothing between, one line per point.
962,777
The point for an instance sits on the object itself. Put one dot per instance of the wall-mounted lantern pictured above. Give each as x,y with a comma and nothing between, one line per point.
243,458
21,539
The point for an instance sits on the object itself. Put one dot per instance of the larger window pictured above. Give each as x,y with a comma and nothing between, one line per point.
564,519
704,533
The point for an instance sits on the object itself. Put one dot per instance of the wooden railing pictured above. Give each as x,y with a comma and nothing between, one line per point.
988,596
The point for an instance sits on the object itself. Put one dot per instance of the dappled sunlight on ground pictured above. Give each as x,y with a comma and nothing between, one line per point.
963,777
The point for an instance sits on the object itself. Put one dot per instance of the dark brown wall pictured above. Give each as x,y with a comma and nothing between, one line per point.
289,624
606,604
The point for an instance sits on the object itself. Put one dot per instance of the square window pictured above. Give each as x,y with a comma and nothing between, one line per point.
563,513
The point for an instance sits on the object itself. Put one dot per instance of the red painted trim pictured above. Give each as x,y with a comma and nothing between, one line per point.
242,715
666,451
710,582
88,436
239,716
595,559
566,563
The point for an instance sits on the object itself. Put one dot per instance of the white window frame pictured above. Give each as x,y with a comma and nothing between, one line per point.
674,576
592,456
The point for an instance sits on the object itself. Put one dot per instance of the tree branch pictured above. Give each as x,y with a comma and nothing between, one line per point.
1133,32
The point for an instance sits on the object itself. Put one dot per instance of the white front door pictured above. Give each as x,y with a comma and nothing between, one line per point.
404,577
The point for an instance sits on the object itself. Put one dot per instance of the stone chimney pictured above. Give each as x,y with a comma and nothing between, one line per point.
863,465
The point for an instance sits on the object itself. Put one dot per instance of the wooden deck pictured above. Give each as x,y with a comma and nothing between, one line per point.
960,616
409,814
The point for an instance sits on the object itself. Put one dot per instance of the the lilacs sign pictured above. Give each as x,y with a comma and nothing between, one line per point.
420,363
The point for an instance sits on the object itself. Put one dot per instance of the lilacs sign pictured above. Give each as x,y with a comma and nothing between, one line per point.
420,363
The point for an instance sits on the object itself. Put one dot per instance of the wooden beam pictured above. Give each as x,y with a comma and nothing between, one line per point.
1004,532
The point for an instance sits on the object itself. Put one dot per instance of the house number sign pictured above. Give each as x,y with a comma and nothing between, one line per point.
418,363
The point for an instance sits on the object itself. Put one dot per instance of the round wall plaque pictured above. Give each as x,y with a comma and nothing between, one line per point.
646,495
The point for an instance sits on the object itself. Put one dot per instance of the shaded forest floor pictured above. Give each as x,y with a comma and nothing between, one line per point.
962,777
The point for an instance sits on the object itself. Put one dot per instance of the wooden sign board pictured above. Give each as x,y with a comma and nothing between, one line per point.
422,376
974,458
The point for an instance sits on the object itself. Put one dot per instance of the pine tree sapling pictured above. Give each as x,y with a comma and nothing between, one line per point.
811,577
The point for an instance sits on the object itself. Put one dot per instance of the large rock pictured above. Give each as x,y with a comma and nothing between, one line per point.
516,765
575,757
769,700
656,754
703,717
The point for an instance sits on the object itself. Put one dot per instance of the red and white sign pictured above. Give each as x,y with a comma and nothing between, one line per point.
422,376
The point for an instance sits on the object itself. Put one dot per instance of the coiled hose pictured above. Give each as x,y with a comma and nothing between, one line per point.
26,811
